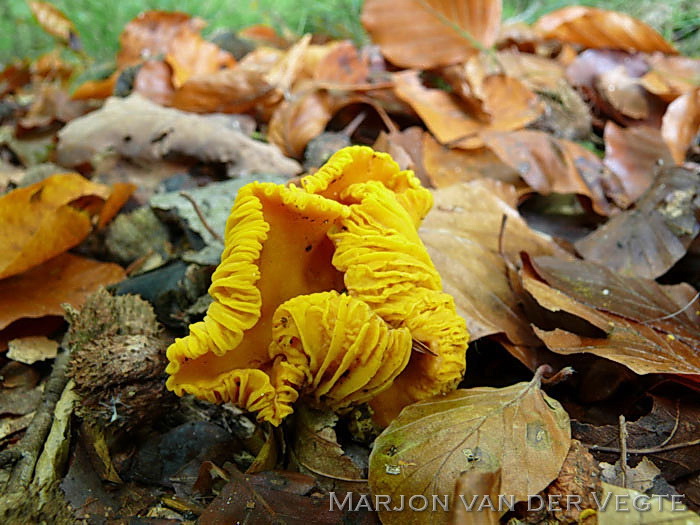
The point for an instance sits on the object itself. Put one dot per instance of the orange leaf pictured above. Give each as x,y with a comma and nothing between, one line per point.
681,124
510,104
599,28
671,76
296,122
425,34
551,165
41,291
55,23
40,221
121,191
96,88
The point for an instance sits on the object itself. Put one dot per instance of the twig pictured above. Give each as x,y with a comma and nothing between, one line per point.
643,451
33,441
560,376
675,426
201,216
623,450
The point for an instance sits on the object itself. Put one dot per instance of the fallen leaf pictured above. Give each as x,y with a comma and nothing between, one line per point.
634,154
639,478
424,34
446,166
462,234
342,64
648,239
233,90
599,28
600,73
681,124
624,92
55,23
141,130
13,77
485,431
647,510
29,350
296,121
316,449
671,76
643,325
41,291
551,165
51,104
38,222
511,106
153,80
668,426
278,497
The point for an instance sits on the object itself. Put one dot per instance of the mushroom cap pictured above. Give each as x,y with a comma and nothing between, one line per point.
276,248
386,266
333,349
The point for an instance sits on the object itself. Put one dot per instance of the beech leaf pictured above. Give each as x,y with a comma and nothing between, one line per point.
650,238
681,123
648,327
517,433
424,34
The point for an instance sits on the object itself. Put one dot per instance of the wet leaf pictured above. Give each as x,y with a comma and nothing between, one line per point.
551,165
490,432
41,291
634,154
40,221
647,327
650,238
462,233
599,28
681,124
510,104
429,33
138,129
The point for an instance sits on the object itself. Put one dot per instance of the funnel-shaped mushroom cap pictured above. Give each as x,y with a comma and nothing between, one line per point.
386,265
276,248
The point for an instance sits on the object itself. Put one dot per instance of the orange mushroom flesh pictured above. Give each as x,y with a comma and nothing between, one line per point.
276,249
277,328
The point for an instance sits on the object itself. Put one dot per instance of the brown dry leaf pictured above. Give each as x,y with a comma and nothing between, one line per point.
154,81
681,124
38,222
510,104
462,233
468,484
296,121
31,349
235,90
670,421
623,92
671,76
551,165
342,64
424,34
175,35
645,326
96,88
51,104
446,166
406,148
650,238
517,434
138,129
633,154
40,292
13,77
55,23
599,28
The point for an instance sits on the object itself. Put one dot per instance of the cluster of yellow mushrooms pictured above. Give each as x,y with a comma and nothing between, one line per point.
325,291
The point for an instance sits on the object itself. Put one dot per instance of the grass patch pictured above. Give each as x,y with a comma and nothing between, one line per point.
100,23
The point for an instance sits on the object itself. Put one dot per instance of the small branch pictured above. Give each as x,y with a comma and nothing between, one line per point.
643,451
623,450
33,440
202,219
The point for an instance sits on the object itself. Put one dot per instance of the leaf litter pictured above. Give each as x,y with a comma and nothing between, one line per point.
562,161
